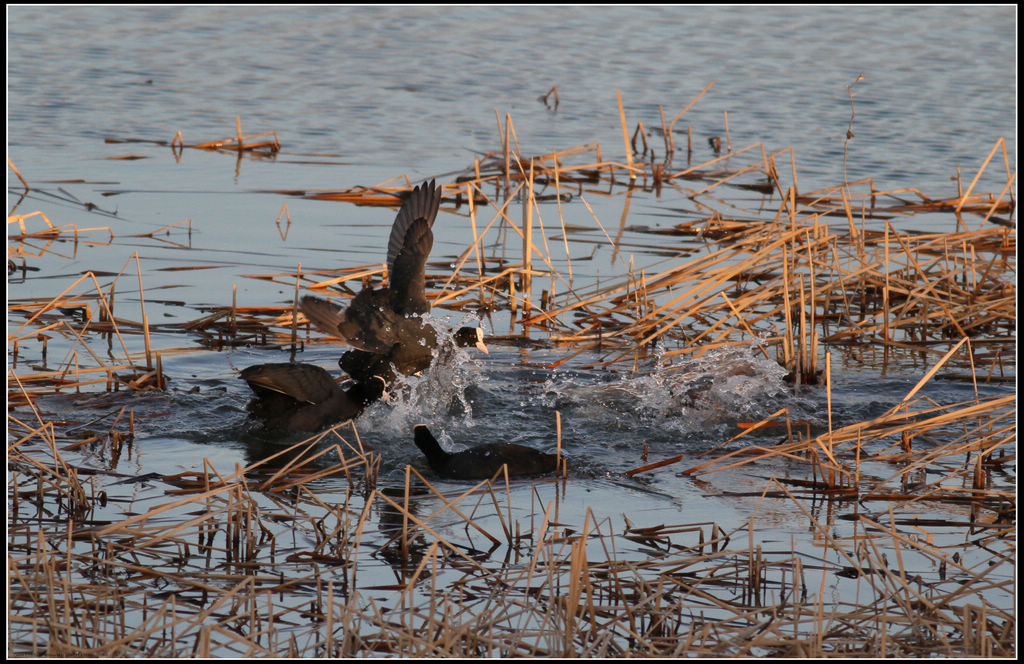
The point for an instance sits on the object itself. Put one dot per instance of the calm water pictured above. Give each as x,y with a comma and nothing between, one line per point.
361,95
415,88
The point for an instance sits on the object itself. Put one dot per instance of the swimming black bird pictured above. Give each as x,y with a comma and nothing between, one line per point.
483,461
386,324
304,397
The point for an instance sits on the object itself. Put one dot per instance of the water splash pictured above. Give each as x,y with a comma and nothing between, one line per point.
442,390
722,386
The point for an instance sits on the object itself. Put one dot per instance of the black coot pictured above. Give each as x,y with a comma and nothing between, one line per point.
407,359
304,397
483,461
385,325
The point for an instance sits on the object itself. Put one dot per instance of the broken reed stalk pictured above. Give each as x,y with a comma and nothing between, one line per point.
507,148
625,135
17,174
688,107
525,285
666,134
477,251
558,449
858,435
420,523
295,311
145,319
1001,142
640,133
552,91
450,504
106,316
405,514
236,144
561,219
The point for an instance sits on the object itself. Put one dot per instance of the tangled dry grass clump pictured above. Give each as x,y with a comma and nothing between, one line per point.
214,567
263,561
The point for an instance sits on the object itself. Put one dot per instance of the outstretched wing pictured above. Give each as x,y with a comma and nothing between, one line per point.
409,247
369,323
408,281
327,316
306,383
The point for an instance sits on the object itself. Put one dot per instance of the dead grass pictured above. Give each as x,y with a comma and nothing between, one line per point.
213,567
257,562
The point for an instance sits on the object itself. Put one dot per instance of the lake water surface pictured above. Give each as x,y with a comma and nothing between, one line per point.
362,95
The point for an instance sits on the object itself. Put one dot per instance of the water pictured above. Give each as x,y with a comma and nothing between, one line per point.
361,95
414,89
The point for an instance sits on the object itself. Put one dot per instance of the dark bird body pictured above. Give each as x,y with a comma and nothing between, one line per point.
304,397
385,325
409,359
483,461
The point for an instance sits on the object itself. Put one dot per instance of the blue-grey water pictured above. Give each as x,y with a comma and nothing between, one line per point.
362,95
414,89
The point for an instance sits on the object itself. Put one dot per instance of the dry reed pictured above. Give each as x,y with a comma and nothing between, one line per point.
262,562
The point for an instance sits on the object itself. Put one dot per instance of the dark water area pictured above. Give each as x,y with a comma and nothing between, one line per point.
362,95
